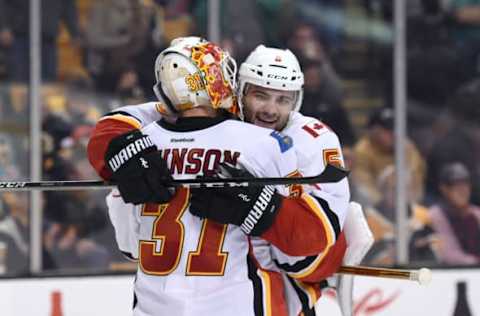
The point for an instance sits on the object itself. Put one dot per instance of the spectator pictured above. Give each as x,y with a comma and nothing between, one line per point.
382,219
375,151
305,43
460,134
323,91
466,14
74,222
116,32
328,17
455,219
323,98
357,193
14,34
322,84
240,35
75,233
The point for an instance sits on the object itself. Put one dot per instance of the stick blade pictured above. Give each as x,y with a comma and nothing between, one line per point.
332,174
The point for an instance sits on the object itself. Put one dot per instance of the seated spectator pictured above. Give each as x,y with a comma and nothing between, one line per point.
382,219
375,151
70,238
455,219
458,140
75,232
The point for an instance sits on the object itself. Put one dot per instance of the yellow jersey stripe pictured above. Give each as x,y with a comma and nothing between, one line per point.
317,209
330,234
267,292
309,291
124,118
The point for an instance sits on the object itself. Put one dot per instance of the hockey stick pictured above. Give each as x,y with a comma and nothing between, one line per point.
423,276
330,174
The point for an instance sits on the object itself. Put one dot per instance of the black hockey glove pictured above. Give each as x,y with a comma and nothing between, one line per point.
138,169
252,208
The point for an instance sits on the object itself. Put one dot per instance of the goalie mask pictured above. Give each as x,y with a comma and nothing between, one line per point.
194,72
271,68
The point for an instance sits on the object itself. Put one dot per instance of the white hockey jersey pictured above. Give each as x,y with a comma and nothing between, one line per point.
315,146
192,266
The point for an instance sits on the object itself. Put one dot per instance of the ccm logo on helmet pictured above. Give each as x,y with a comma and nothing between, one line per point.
277,77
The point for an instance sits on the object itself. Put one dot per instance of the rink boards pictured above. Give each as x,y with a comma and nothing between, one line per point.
112,295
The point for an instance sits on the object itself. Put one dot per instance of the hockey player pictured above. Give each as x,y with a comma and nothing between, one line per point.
270,93
190,265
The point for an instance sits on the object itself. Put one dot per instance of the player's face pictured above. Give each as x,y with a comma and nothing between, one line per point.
268,107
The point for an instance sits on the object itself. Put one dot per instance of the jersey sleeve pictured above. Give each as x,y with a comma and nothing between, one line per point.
144,113
304,226
314,268
125,223
113,124
317,152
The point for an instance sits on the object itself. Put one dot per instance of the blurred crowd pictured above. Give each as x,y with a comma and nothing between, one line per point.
98,55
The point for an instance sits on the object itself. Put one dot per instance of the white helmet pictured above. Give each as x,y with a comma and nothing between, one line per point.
271,68
193,72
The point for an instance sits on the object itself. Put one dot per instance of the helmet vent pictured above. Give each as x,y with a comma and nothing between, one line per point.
278,66
175,65
260,73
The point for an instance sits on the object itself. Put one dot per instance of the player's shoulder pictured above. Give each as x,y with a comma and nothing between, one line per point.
308,130
257,136
141,114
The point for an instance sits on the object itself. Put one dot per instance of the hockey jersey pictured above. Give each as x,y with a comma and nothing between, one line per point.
278,266
316,145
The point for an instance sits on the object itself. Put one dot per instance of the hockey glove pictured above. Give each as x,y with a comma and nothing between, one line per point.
138,169
253,208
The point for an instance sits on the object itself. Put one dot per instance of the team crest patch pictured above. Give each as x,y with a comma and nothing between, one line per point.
285,142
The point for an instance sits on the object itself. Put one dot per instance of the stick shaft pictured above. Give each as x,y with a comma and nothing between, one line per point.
330,174
377,272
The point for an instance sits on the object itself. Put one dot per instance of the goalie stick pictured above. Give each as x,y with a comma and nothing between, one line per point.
330,174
